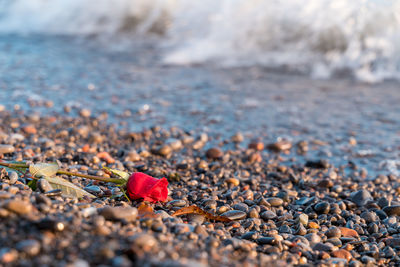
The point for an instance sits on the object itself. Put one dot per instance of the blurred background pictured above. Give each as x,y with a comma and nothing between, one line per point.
270,69
323,38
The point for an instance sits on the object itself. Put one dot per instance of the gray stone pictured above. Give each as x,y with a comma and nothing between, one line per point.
44,186
234,214
361,197
119,213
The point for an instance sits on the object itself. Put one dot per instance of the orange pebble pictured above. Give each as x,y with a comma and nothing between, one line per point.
105,156
29,129
313,225
347,232
86,148
342,253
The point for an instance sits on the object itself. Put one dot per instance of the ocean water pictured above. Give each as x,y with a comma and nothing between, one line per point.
321,38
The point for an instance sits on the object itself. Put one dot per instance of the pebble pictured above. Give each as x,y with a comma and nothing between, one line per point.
232,181
333,232
30,247
6,149
234,214
361,197
13,177
343,254
119,213
8,255
44,186
392,210
275,201
322,207
214,153
143,241
327,247
94,189
280,146
303,219
268,215
19,207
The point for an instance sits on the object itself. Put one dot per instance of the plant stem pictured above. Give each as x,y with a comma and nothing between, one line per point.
92,177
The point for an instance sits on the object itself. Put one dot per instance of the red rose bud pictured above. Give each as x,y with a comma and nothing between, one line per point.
143,186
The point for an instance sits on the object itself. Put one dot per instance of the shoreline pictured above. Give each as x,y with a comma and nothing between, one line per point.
256,185
306,169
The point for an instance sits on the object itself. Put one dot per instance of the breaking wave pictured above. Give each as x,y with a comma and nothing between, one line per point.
323,38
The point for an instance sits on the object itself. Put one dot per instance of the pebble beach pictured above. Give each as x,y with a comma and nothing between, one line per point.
305,170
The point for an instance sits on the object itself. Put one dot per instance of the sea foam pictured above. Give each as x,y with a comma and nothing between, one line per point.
322,38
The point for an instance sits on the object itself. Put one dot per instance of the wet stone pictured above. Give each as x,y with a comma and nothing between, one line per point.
5,149
327,247
234,214
392,210
13,177
44,186
275,201
177,203
119,213
19,207
268,215
361,197
241,206
94,189
303,219
333,232
322,207
214,153
8,255
143,241
369,216
30,247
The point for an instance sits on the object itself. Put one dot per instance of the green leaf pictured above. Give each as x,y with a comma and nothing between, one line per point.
67,188
32,184
43,169
121,174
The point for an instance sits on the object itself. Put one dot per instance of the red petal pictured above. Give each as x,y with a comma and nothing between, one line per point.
151,189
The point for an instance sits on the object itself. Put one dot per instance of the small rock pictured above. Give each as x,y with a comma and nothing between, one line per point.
8,255
342,253
214,153
280,146
361,197
392,210
303,219
237,138
44,186
85,113
268,215
18,206
143,241
318,164
13,177
234,214
327,247
5,149
30,246
347,232
256,146
94,189
322,207
232,181
333,232
119,213
275,201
